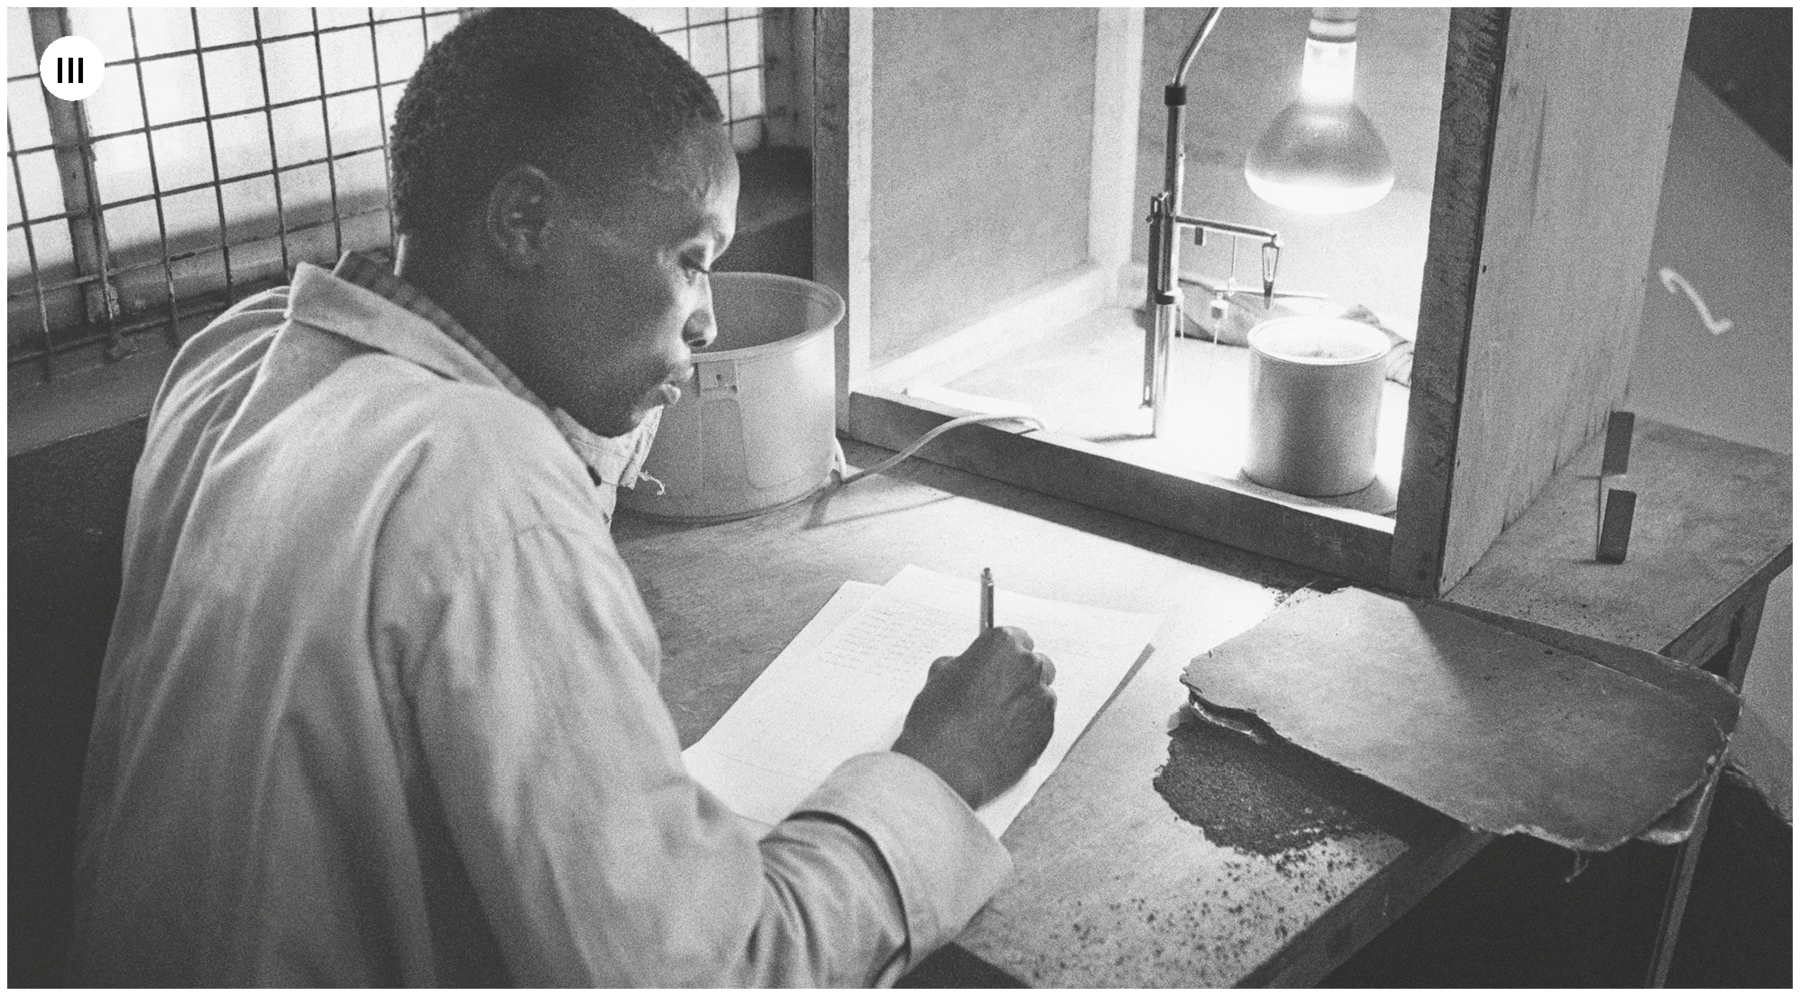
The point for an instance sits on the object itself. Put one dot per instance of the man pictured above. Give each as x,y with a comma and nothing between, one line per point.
380,703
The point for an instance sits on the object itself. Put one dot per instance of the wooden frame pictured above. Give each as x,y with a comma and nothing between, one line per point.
1538,246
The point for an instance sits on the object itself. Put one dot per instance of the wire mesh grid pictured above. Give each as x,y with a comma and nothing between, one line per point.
227,146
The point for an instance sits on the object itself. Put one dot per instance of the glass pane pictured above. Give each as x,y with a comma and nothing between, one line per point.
56,255
361,183
25,113
299,133
122,167
224,25
439,25
278,21
746,42
399,47
293,68
163,29
746,94
256,262
116,106
182,156
193,220
43,188
133,233
21,58
337,17
707,49
250,210
242,141
367,231
349,60
18,261
14,212
355,122
199,274
233,80
173,89
305,195
107,27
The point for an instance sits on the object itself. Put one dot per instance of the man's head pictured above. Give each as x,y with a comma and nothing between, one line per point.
573,174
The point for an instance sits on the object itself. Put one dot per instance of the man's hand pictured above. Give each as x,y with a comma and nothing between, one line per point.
983,717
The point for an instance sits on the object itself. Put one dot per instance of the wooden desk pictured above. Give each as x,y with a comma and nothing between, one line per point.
1150,858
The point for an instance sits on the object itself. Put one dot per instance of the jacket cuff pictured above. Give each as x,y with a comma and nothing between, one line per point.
945,863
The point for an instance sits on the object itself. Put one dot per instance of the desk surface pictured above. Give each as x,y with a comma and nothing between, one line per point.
1150,858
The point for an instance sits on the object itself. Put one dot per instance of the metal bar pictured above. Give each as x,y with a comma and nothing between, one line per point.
212,151
177,257
68,125
262,68
167,125
387,168
254,175
37,276
162,228
325,112
228,46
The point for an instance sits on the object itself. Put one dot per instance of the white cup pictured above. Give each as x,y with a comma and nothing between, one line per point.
1315,402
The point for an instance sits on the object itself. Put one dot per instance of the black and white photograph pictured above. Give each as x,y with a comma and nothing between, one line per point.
926,497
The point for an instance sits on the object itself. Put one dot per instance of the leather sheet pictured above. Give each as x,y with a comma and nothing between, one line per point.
1501,732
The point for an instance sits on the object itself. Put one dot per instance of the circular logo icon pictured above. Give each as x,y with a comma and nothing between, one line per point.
72,68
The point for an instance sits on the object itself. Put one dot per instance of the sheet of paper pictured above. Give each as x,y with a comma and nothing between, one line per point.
843,687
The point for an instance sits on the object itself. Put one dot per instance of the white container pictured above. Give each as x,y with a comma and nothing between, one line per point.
755,429
1315,403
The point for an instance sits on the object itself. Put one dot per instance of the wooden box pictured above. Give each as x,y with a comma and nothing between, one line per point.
979,193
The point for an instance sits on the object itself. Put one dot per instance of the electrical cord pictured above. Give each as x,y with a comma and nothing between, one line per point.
920,442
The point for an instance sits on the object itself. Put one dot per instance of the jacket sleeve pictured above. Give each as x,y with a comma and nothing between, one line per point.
598,861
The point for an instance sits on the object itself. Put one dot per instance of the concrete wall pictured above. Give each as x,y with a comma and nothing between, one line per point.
983,131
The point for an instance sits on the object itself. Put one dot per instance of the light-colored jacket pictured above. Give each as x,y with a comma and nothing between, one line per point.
380,708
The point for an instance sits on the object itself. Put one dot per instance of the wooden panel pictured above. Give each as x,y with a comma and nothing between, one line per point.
1112,218
1477,51
841,39
1580,135
1345,543
982,135
1714,518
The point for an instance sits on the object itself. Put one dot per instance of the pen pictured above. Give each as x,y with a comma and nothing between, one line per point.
987,599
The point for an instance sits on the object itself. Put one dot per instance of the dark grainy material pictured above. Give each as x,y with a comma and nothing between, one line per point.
1246,795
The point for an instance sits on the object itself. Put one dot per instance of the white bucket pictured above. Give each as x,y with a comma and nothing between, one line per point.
754,429
1315,404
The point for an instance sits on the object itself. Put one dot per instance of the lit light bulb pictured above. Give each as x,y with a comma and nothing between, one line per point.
1321,154
1328,76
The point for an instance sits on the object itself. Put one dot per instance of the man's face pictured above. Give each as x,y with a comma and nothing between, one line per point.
624,296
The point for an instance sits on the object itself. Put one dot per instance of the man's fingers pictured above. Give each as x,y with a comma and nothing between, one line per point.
1019,637
940,664
1046,668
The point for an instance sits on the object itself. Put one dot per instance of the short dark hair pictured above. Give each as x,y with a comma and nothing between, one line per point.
581,93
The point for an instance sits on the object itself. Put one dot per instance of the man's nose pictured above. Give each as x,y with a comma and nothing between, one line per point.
701,328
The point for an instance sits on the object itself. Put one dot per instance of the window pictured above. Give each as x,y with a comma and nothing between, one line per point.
226,146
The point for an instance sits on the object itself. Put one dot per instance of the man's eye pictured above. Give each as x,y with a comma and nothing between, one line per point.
696,267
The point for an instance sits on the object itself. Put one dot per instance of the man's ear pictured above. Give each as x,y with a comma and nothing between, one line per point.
517,224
